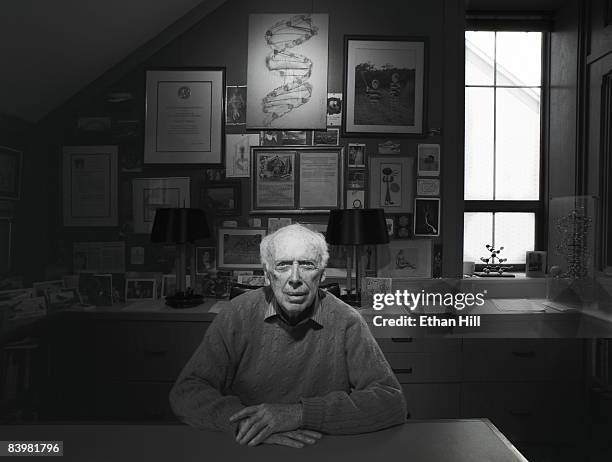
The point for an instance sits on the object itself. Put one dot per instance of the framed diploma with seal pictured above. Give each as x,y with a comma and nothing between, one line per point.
185,116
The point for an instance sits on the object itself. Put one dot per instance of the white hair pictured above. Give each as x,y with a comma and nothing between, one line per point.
298,233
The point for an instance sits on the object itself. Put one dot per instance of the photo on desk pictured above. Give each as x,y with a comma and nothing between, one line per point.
140,289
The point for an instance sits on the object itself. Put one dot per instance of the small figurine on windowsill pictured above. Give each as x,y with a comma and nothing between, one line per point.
494,269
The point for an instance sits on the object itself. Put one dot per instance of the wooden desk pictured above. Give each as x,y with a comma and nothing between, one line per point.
466,440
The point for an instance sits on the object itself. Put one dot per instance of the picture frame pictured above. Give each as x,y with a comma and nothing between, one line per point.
410,258
355,199
185,116
428,187
356,155
428,159
238,248
150,194
403,226
535,264
329,137
391,183
206,260
222,197
10,173
284,138
238,154
286,93
426,217
357,178
235,100
169,284
90,186
308,179
137,289
384,85
334,109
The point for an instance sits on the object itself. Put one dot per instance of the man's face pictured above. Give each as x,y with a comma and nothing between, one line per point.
294,274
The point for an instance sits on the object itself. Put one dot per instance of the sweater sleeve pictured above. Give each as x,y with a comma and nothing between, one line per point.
200,397
375,401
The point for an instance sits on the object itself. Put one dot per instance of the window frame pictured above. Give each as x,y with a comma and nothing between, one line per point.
518,23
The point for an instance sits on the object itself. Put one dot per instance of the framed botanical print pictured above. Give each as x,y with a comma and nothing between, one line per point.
384,85
405,259
10,173
185,116
391,183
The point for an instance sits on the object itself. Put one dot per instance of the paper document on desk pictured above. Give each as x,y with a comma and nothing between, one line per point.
522,305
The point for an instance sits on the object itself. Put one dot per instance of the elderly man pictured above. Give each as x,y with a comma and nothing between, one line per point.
288,362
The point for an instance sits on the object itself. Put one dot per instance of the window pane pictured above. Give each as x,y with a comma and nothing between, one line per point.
479,143
516,233
479,55
519,58
517,170
477,232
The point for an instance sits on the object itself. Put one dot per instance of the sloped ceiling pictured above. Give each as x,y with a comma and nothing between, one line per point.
51,49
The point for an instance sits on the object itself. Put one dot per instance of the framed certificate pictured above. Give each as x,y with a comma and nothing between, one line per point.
90,185
185,116
296,180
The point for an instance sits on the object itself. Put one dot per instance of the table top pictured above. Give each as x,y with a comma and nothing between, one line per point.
423,441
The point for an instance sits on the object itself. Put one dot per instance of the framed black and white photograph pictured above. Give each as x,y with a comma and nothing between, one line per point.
206,260
285,92
356,178
140,289
222,197
403,226
284,138
405,259
90,185
428,187
426,217
384,85
391,183
429,159
235,104
185,117
329,137
239,248
296,180
356,155
10,173
535,264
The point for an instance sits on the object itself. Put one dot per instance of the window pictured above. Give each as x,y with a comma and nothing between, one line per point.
503,94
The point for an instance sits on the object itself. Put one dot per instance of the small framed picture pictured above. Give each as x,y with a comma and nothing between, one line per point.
239,248
329,137
391,183
356,179
283,138
390,226
214,174
535,264
235,104
169,284
334,109
356,154
428,187
223,198
206,260
274,224
426,217
355,199
405,259
140,289
388,147
429,160
403,226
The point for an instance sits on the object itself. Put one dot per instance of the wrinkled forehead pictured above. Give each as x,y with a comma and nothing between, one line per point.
294,247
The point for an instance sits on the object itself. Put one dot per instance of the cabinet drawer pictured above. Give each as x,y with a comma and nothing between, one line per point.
433,400
145,350
529,412
409,345
518,360
425,367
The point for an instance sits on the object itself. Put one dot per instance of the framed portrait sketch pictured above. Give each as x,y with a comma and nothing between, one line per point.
239,248
426,217
296,180
10,173
90,185
384,85
150,194
405,259
287,71
392,183
185,117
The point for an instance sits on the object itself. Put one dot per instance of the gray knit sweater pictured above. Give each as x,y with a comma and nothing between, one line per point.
330,364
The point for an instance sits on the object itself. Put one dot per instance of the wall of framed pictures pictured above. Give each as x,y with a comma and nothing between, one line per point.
116,116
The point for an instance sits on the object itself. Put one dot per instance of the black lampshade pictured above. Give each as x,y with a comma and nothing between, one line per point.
357,227
179,225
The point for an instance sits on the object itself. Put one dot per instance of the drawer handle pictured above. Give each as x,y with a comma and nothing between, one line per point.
403,371
519,413
401,340
155,352
524,354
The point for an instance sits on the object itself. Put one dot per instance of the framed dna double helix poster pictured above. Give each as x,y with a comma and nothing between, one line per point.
287,71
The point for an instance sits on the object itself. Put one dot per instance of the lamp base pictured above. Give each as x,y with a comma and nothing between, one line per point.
184,300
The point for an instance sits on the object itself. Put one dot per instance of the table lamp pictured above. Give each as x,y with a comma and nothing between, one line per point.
355,228
180,226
